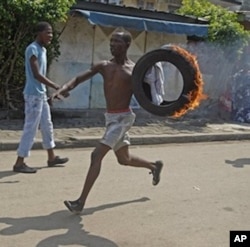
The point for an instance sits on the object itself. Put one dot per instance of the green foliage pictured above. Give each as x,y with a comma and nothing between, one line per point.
17,20
224,27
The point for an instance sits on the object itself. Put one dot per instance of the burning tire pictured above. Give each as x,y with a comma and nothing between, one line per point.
188,68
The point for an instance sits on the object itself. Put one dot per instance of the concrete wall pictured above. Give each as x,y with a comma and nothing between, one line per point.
76,46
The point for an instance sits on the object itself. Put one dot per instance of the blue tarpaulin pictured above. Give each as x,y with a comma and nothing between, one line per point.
143,24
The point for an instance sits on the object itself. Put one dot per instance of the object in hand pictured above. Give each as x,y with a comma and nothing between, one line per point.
168,81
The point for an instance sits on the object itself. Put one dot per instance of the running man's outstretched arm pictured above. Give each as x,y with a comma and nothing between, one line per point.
75,81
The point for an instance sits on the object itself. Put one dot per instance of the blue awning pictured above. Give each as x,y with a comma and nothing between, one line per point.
143,24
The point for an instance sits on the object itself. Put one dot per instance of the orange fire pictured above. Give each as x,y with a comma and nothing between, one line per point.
196,95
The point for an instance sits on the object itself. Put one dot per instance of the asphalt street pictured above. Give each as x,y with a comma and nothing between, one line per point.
203,194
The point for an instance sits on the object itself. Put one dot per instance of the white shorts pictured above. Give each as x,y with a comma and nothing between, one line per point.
117,126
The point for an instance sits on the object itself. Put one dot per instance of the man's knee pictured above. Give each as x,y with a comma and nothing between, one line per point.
123,160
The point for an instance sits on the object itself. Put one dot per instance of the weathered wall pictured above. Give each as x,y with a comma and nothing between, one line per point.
76,48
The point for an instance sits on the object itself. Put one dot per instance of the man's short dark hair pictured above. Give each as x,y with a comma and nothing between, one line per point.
125,35
41,26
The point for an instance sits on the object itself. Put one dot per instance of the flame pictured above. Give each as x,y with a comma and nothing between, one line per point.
196,95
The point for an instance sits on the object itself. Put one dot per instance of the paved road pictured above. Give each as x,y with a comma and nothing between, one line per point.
203,194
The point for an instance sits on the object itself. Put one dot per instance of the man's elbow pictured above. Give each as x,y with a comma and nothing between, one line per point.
37,76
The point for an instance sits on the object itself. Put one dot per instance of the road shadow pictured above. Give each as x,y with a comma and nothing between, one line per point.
8,173
238,163
63,220
89,211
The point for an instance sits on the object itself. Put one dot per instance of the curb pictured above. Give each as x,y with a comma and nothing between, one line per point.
84,142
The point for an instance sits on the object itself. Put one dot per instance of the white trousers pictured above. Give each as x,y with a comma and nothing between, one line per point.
37,113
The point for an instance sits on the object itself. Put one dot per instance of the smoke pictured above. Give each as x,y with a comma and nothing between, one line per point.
218,64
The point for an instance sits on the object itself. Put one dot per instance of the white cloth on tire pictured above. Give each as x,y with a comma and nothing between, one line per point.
155,78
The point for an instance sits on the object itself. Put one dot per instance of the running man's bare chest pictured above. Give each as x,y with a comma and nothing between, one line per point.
118,75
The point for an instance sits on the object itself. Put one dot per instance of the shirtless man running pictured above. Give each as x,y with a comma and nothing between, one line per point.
117,74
